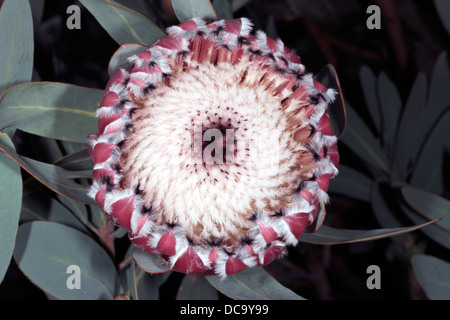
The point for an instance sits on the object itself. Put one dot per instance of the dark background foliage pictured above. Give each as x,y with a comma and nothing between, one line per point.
410,40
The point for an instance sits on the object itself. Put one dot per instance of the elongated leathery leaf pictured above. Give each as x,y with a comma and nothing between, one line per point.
223,9
76,161
384,211
17,46
196,287
407,135
252,284
10,203
54,177
433,275
359,138
38,206
328,235
429,205
391,106
148,262
428,170
188,9
120,58
122,24
369,88
53,110
443,9
45,251
434,231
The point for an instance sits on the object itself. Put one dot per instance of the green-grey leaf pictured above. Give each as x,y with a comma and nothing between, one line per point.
407,140
428,170
382,208
391,106
77,161
10,203
433,275
351,183
196,287
443,9
143,7
142,285
53,110
38,206
252,284
439,96
54,177
429,205
329,235
45,250
187,9
369,88
122,24
17,46
361,141
223,9
434,231
238,4
119,59
148,262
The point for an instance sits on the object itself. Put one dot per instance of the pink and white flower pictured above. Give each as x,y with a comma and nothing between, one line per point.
215,149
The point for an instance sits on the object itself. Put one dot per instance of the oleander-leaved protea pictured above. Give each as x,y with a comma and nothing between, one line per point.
215,149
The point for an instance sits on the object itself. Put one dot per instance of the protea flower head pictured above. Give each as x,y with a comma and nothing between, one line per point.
215,148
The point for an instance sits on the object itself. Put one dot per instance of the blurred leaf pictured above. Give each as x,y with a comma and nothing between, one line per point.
443,9
17,46
120,58
429,205
252,284
44,251
428,170
338,115
439,95
187,9
55,178
238,4
196,287
433,275
37,10
383,201
351,183
223,9
369,88
433,231
49,109
321,10
10,203
148,262
361,141
328,235
122,24
271,27
406,144
391,106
